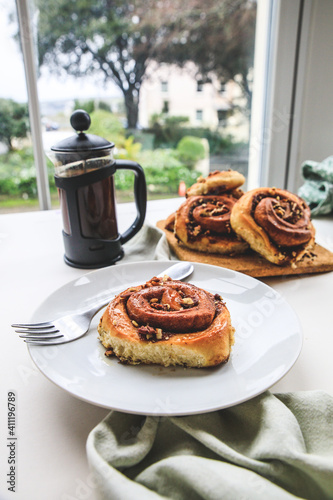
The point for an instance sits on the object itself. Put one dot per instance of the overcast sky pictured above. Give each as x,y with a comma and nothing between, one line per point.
12,81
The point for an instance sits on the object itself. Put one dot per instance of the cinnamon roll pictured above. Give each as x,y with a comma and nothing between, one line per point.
217,182
167,322
203,223
275,223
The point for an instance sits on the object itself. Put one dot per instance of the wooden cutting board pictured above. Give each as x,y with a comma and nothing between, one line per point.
252,263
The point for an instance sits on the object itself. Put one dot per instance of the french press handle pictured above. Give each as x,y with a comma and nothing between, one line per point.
140,196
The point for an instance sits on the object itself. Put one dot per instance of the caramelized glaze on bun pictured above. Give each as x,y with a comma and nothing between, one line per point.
275,223
167,322
202,223
217,182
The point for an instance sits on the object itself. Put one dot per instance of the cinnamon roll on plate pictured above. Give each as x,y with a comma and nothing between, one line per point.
275,223
167,322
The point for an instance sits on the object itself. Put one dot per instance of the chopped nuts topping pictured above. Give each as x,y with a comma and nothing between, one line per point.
188,301
150,333
147,330
196,230
157,306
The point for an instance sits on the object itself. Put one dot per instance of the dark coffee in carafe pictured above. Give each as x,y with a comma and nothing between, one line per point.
84,176
97,209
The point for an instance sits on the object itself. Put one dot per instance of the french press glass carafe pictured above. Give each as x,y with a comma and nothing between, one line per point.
84,176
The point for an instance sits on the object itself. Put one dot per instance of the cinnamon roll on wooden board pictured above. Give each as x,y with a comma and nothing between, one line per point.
167,322
318,260
269,232
275,223
203,223
217,182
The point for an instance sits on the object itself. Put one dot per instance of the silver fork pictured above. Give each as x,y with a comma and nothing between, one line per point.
59,331
74,326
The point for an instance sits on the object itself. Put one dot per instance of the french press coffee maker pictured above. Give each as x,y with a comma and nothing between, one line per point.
84,176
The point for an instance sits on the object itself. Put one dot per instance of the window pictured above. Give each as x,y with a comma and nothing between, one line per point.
17,159
199,115
280,139
165,108
283,81
223,87
222,116
164,86
200,86
175,115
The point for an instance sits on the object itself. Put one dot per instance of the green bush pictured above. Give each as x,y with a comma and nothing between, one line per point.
160,120
18,174
9,186
159,158
88,106
27,183
190,150
107,125
14,121
168,133
129,150
167,181
163,172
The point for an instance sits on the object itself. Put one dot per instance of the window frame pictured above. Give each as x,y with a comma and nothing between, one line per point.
26,38
282,38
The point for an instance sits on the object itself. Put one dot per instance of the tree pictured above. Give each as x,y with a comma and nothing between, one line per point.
219,39
110,36
120,38
14,121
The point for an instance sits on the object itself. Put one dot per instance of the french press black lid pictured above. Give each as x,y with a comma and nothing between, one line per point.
84,175
82,142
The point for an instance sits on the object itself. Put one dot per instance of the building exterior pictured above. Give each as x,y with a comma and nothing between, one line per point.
177,92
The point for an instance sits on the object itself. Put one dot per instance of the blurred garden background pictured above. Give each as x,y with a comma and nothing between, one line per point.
181,91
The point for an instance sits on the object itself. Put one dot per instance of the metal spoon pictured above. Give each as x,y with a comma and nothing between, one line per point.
178,271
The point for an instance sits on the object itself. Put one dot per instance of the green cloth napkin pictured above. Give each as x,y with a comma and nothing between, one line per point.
317,189
273,447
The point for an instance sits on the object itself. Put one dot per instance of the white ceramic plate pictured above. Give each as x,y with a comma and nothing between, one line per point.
268,341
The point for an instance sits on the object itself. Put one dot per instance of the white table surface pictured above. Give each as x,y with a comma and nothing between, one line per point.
51,425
